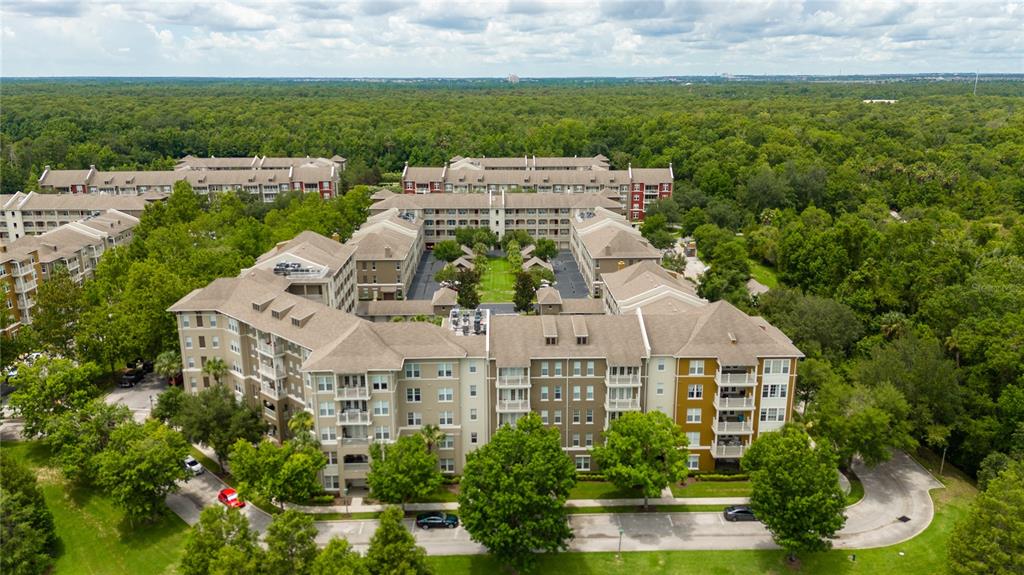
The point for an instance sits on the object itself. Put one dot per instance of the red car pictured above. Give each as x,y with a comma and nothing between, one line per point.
230,498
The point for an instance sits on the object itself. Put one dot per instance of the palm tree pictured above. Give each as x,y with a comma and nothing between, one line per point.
432,435
301,426
168,364
216,368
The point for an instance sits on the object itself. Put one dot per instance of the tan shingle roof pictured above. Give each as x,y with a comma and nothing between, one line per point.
312,247
646,283
616,338
548,296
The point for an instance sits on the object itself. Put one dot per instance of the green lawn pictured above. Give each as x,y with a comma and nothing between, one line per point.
601,490
94,538
856,490
923,555
713,489
498,283
763,274
639,508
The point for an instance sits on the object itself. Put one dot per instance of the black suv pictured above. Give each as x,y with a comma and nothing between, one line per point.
436,519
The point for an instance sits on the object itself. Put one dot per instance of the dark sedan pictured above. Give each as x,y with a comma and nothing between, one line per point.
739,513
436,519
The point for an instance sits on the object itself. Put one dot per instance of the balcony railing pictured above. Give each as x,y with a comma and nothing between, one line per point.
269,348
622,404
725,403
357,466
513,405
354,417
356,440
358,392
631,380
748,379
270,391
733,427
727,451
271,373
513,382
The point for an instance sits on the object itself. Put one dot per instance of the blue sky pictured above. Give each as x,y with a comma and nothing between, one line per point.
538,38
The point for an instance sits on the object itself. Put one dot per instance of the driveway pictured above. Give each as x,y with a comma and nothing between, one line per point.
568,279
894,489
423,284
141,398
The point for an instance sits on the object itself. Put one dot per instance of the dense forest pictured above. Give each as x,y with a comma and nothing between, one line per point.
895,231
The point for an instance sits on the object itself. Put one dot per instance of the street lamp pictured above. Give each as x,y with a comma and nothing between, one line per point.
346,499
619,554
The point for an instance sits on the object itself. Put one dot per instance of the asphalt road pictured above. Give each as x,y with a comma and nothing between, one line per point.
893,489
141,398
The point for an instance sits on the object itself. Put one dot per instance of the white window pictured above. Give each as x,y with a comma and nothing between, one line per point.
185,322
412,371
191,361
590,392
331,482
590,415
693,415
379,382
445,395
235,347
213,320
188,343
576,416
588,439
576,392
381,407
576,367
215,342
444,370
327,433
693,462
473,437
326,408
332,457
412,395
661,365
544,369
414,419
544,416
233,325
472,414
773,414
192,381
447,418
659,389
696,367
472,390
575,439
590,368
694,391
693,438
543,393
558,416
774,390
447,443
382,433
776,366
558,368
447,465
582,463
325,383
472,368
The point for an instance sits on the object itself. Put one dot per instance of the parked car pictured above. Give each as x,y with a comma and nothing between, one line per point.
130,377
436,519
145,366
739,513
229,497
193,466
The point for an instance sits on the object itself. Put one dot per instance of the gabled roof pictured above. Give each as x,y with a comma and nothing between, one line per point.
615,337
548,296
647,283
532,262
311,247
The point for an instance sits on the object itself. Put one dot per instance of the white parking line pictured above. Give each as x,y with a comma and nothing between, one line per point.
670,524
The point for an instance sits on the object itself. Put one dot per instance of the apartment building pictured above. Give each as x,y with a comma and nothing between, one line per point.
317,268
33,213
191,162
603,242
540,215
265,183
649,286
387,247
634,189
77,246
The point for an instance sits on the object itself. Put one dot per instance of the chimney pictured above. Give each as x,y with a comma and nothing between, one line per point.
607,250
387,251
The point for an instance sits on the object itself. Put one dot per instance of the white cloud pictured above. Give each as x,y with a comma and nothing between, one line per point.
495,37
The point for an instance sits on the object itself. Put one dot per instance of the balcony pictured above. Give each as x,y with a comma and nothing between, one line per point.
513,382
271,391
268,348
727,451
733,427
622,404
732,403
748,379
355,440
270,373
354,393
513,405
632,380
355,470
354,417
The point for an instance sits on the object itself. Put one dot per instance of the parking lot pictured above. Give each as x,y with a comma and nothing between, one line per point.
568,279
423,284
141,398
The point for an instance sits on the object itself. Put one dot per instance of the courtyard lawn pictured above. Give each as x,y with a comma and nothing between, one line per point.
94,538
922,555
497,285
763,274
713,489
601,490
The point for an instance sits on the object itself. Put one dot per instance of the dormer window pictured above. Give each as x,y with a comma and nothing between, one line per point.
581,340
550,341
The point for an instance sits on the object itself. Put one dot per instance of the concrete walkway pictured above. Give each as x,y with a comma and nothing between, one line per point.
892,490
